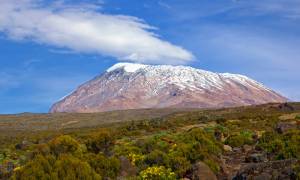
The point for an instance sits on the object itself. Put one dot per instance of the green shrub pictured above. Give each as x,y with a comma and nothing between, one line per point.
244,137
126,147
179,165
146,145
71,168
203,118
197,145
64,144
156,157
39,168
49,168
204,141
106,167
160,141
292,142
221,120
2,157
283,146
100,142
221,128
43,149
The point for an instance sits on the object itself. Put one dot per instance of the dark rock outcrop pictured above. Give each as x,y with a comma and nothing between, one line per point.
283,127
202,172
282,169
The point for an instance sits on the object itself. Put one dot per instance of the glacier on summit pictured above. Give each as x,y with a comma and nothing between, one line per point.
185,76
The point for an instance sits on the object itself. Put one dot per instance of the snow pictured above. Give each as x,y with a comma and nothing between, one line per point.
186,77
245,80
128,67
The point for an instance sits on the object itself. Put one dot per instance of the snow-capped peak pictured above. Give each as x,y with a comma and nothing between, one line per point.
158,86
128,67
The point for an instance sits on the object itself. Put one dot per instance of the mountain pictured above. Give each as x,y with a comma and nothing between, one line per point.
135,86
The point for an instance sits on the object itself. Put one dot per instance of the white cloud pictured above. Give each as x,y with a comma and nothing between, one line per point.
83,29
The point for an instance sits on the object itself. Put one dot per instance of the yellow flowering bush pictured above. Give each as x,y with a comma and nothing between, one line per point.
157,173
135,158
173,147
18,168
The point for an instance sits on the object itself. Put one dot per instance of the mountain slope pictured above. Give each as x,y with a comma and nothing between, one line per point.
134,86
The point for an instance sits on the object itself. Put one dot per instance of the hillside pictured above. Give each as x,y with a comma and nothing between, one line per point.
245,142
134,86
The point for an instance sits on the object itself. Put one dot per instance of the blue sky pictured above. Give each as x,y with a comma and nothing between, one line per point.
48,48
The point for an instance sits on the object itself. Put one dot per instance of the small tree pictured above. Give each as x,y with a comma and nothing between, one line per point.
65,144
100,142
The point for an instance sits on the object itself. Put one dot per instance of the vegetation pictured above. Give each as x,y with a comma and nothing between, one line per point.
242,138
164,147
282,146
157,173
